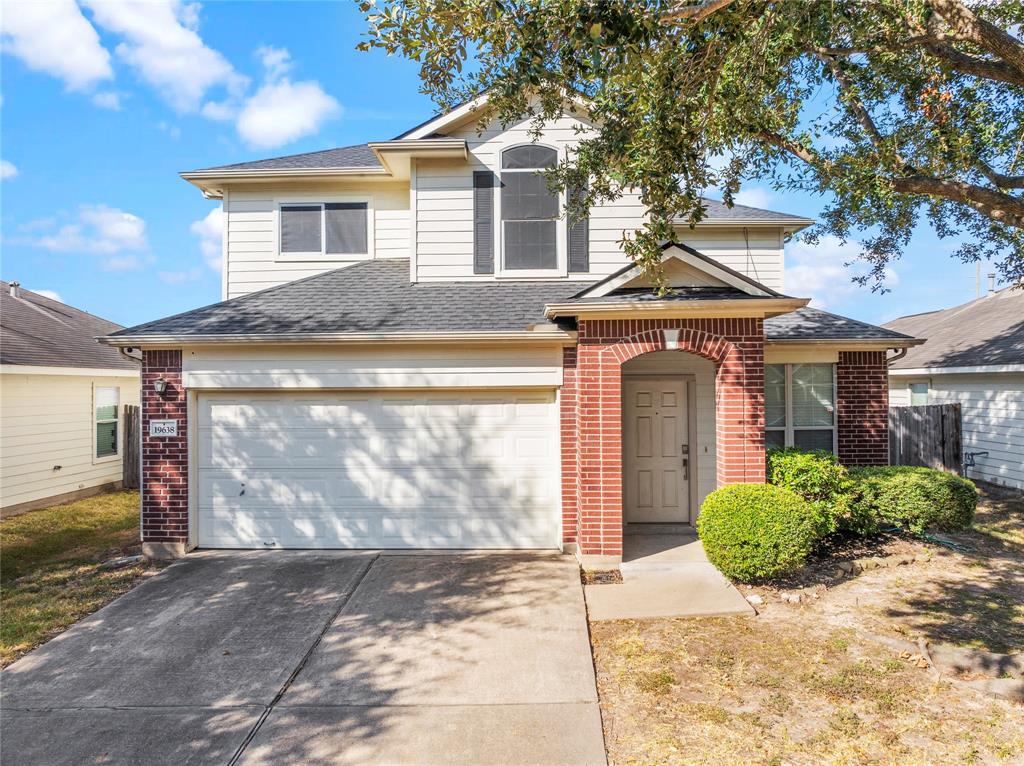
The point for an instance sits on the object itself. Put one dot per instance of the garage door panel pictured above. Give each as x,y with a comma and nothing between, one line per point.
405,470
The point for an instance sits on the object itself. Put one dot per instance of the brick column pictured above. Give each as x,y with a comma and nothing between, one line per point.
736,346
164,458
862,407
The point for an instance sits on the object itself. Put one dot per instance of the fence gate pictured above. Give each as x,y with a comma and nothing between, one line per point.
130,469
929,435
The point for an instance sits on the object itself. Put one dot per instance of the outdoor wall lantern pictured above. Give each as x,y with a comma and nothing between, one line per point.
160,385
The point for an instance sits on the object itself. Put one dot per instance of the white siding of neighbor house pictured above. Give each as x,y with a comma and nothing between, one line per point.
372,366
992,408
254,261
703,454
47,420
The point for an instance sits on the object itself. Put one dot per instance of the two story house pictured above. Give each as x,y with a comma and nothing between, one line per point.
416,349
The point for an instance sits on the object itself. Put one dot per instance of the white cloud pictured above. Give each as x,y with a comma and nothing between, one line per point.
54,37
162,44
180,277
281,112
820,272
754,196
276,61
210,231
98,229
7,170
53,295
108,100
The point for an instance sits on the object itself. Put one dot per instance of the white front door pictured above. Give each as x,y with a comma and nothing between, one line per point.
427,469
655,462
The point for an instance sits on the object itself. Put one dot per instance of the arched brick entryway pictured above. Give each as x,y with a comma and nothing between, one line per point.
592,413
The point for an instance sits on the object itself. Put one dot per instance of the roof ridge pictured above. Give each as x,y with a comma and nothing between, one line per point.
33,293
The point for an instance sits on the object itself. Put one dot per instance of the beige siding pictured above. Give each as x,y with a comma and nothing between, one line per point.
392,366
254,261
47,420
993,418
444,215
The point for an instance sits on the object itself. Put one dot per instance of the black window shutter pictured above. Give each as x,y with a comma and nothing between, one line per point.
579,239
483,222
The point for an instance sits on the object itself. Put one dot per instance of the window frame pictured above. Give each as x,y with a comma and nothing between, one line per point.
501,271
911,392
321,201
789,428
96,459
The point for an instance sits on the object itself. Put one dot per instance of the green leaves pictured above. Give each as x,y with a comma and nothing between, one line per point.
842,98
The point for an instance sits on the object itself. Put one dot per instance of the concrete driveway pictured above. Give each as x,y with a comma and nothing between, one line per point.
271,657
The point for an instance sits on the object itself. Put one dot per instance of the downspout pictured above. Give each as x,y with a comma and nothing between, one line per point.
900,353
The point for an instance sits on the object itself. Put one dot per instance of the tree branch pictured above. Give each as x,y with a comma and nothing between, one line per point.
854,103
695,14
982,33
975,65
1000,207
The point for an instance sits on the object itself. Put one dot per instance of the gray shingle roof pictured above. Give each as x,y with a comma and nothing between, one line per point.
678,294
358,156
815,324
985,331
377,297
718,211
39,331
369,297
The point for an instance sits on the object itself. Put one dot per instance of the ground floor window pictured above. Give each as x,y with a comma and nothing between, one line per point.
800,406
106,408
918,394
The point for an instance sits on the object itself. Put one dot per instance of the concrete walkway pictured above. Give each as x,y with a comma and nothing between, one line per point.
665,575
305,657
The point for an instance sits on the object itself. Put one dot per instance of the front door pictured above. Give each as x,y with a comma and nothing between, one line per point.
655,452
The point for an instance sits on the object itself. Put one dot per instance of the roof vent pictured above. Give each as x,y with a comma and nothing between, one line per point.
15,289
991,283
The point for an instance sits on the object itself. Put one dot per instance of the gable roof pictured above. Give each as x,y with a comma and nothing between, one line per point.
621,278
987,331
342,157
717,211
368,298
41,332
375,300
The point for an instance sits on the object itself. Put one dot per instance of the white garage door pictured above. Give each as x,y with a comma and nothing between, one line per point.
439,470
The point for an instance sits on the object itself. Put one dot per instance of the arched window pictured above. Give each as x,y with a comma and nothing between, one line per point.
529,211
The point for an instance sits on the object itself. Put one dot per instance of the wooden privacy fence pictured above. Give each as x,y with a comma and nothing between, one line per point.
929,435
130,469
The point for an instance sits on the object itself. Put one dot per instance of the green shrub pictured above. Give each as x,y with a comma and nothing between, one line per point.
756,531
913,498
818,477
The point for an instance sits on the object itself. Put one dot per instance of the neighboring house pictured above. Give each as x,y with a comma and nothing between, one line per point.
974,355
417,351
62,398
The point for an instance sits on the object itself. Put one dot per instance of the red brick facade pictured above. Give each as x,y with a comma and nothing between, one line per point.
164,458
862,407
592,413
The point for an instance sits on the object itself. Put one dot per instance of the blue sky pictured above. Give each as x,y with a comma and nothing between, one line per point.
105,102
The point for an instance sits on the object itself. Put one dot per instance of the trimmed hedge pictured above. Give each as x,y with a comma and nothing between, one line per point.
914,498
818,477
756,531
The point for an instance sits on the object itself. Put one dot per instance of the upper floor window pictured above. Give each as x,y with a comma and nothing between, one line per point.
325,228
529,210
799,406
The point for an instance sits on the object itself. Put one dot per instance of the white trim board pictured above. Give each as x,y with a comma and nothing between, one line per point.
976,370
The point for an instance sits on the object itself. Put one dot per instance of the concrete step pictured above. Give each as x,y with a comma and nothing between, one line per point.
659,529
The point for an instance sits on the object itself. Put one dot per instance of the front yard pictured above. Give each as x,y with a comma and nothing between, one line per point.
50,567
823,679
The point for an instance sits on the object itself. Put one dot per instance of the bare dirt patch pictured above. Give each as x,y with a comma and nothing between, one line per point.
810,682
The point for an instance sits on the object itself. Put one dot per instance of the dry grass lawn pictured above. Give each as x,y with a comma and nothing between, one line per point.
49,567
809,683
